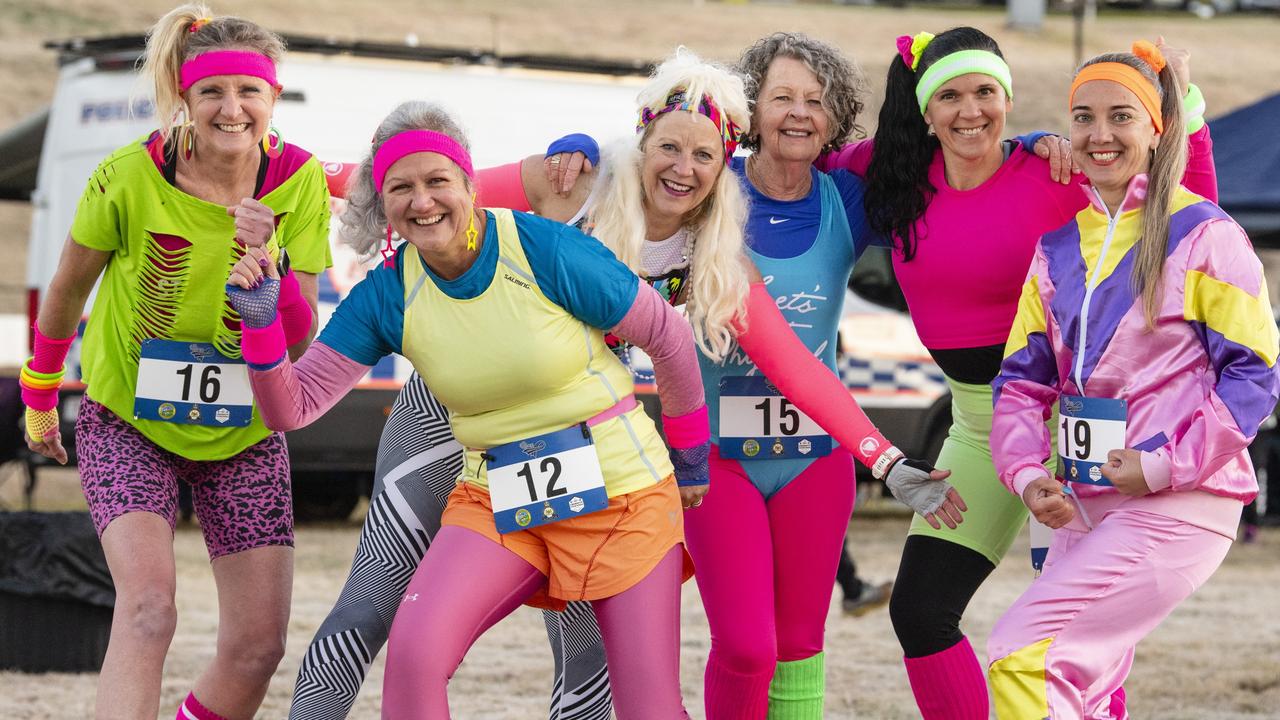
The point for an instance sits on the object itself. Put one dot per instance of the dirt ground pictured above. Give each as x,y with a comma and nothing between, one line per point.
1216,658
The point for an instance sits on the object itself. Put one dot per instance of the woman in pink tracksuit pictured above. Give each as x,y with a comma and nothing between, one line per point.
1146,322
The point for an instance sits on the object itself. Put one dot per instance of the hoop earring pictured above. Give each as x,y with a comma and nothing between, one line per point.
388,252
273,143
472,233
188,141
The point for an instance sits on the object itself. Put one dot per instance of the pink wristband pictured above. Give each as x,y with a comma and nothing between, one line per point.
40,399
50,353
503,187
265,346
688,430
294,311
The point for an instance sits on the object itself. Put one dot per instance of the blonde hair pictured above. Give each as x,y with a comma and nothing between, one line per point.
170,42
1168,164
364,221
718,277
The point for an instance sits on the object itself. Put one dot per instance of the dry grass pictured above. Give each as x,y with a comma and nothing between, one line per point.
1216,658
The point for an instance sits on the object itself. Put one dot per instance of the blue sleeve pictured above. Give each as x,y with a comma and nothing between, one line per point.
852,189
576,142
577,272
369,323
1028,141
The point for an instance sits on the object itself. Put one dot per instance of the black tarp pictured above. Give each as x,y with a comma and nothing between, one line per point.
54,555
56,595
1246,151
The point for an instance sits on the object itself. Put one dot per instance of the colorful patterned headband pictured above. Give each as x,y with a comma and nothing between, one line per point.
948,67
227,62
416,141
911,47
730,133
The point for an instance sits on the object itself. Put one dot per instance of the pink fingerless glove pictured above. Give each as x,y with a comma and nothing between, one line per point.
294,311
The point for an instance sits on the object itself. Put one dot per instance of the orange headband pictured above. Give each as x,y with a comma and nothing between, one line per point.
1130,78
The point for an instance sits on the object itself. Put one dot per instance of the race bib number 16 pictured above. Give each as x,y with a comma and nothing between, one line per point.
191,383
1089,428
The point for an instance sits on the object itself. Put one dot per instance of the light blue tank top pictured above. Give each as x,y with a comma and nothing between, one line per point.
809,289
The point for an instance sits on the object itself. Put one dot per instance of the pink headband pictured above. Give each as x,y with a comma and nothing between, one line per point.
227,62
416,141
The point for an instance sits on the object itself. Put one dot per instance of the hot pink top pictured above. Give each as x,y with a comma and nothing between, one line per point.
975,246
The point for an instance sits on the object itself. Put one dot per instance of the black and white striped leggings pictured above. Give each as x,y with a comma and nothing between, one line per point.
418,462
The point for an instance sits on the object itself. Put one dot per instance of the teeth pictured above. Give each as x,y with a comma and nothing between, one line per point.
1105,156
238,127
795,133
969,132
428,221
677,186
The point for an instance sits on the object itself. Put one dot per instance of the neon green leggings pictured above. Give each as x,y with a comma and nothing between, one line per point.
995,515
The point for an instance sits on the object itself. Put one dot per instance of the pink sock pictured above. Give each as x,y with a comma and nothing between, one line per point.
191,709
1118,707
949,685
734,696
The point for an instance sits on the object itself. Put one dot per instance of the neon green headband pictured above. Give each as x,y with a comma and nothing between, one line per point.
960,63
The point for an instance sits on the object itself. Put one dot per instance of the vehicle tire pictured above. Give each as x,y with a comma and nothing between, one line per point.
319,497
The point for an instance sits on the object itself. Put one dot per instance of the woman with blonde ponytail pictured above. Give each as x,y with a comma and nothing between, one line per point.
162,221
1145,321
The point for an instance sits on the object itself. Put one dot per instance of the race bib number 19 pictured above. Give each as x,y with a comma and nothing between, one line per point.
191,383
1089,428
545,479
758,423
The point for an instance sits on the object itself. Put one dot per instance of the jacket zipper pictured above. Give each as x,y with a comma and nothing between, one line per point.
1089,287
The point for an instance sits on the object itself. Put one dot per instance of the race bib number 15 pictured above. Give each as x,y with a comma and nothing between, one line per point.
758,423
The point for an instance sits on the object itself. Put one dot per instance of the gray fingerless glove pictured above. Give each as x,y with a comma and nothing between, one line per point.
909,481
257,307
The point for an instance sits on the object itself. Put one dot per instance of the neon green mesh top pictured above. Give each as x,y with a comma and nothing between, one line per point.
171,254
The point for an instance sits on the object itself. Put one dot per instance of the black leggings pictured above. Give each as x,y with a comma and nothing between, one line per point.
936,580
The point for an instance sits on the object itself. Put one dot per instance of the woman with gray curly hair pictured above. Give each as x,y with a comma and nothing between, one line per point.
768,540
566,491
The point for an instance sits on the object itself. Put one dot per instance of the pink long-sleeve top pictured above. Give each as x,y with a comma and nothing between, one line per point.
974,246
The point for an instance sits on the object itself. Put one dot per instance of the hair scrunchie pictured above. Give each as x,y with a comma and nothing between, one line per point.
911,47
1149,54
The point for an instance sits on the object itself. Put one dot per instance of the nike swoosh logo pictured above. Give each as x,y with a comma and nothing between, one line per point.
776,221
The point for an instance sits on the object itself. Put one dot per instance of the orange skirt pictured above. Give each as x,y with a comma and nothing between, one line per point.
588,557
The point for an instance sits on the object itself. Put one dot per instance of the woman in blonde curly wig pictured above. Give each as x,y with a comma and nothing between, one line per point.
763,514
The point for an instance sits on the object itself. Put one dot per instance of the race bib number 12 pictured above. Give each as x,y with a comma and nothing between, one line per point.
545,479
1089,428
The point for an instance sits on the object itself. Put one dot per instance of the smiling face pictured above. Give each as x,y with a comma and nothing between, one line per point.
683,157
1112,136
967,114
793,123
428,202
231,113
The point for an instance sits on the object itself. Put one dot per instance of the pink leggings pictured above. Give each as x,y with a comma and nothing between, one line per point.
766,569
466,583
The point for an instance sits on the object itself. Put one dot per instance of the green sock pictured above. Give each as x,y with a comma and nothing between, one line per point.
797,689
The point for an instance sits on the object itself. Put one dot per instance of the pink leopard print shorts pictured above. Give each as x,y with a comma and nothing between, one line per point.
243,502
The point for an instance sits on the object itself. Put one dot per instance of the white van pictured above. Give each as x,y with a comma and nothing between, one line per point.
334,96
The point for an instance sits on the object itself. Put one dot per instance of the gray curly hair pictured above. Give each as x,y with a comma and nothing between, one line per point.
842,83
364,222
